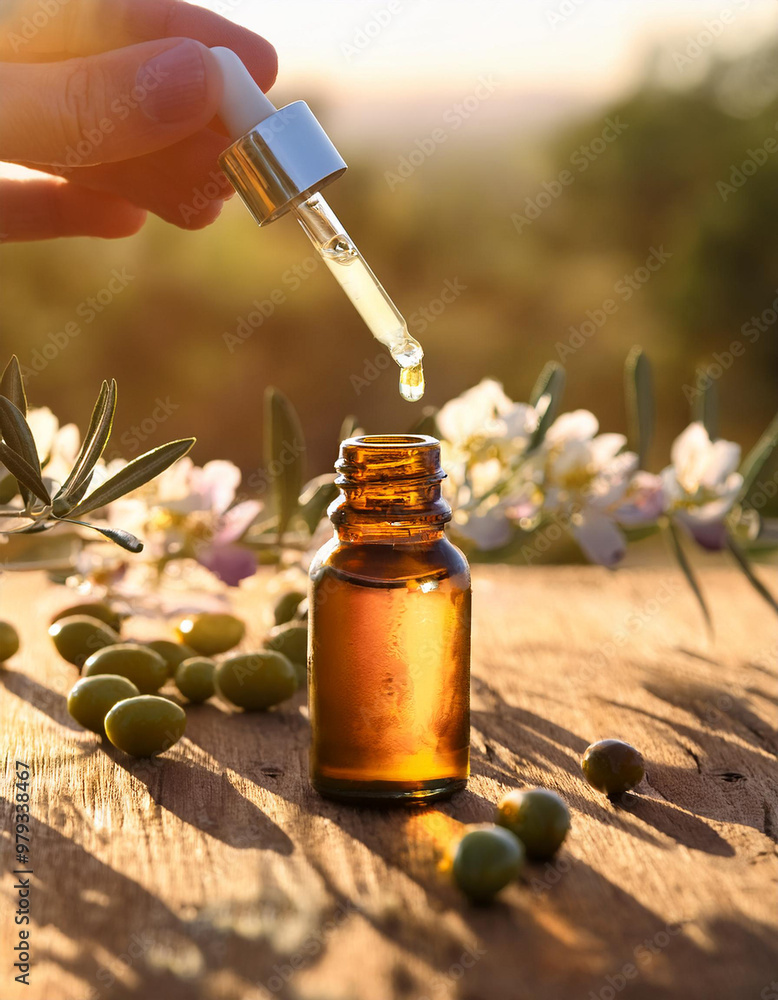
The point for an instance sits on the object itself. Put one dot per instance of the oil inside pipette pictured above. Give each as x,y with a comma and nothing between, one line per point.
351,271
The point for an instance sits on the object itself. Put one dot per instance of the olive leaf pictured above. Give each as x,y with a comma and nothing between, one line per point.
16,432
688,572
756,459
545,397
315,499
639,399
284,455
136,473
91,450
349,427
20,456
12,386
118,535
742,560
28,478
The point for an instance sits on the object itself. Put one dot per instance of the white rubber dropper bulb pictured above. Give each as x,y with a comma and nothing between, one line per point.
243,105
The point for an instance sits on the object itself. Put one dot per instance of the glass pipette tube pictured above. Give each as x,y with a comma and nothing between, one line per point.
349,267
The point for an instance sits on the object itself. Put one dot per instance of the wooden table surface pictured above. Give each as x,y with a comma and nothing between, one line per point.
215,872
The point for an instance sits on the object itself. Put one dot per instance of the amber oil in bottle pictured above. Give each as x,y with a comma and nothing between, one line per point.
389,646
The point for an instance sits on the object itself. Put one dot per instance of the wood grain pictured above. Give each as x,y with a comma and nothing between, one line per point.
216,873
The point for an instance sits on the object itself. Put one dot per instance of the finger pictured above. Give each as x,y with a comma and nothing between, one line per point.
181,184
35,29
113,106
49,207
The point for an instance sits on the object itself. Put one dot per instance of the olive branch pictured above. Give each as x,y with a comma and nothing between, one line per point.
46,503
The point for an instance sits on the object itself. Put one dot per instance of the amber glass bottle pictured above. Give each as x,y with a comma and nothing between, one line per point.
389,647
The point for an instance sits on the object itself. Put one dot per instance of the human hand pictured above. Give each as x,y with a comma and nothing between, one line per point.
116,100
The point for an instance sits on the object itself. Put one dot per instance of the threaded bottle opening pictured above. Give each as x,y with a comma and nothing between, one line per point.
385,458
389,479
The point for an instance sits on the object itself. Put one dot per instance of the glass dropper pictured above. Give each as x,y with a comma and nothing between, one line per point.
277,159
355,277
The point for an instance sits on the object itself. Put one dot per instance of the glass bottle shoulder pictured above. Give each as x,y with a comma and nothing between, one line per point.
392,562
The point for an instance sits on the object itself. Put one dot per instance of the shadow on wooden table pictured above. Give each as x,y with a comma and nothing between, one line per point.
198,796
94,905
732,750
43,698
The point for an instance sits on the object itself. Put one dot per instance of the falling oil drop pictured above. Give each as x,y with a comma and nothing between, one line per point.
412,383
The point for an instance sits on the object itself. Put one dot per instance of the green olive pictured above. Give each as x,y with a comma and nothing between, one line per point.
91,698
209,633
95,609
146,725
195,678
286,606
9,641
171,652
77,638
145,668
256,681
291,640
613,767
538,817
486,859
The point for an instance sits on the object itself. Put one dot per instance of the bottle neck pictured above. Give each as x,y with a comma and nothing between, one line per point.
390,490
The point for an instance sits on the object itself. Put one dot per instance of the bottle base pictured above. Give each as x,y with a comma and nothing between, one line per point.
387,793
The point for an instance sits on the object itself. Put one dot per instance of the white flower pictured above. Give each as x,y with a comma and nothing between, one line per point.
585,475
473,414
701,485
484,436
44,426
487,527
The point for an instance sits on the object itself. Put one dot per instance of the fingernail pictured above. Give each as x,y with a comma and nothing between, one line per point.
173,83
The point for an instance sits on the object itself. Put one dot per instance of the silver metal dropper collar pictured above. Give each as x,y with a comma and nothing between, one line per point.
282,161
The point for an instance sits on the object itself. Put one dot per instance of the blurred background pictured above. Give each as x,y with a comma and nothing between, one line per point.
538,160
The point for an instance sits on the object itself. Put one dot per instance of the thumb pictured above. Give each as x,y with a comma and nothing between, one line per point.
107,107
